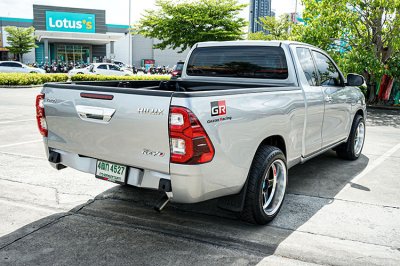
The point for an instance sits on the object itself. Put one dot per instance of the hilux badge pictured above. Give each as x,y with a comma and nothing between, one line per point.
150,111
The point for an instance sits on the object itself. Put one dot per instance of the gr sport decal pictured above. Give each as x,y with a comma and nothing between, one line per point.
218,108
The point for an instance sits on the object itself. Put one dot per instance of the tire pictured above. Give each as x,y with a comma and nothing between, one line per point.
269,164
351,150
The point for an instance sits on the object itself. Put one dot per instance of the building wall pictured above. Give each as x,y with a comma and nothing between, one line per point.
142,49
169,57
121,50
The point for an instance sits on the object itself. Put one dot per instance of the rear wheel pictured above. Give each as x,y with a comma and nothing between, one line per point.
266,186
351,150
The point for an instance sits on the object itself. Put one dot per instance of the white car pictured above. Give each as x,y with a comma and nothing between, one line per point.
17,67
75,71
101,69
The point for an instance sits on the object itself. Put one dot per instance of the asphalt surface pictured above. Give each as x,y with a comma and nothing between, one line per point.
336,212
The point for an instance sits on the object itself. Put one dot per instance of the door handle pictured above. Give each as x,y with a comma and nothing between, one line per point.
328,99
90,113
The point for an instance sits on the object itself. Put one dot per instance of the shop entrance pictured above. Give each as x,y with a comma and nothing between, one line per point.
76,53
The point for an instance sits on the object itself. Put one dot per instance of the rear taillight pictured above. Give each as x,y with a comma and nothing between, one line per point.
40,116
189,141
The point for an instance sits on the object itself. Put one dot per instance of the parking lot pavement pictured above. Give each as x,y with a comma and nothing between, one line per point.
336,212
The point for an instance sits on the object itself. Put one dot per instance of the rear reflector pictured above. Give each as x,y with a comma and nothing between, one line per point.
97,96
40,115
189,142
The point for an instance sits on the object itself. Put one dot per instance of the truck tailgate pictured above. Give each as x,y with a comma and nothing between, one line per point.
130,129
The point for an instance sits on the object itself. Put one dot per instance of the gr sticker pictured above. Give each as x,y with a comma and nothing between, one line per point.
218,108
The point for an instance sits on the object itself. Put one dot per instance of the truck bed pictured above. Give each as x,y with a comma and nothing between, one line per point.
163,86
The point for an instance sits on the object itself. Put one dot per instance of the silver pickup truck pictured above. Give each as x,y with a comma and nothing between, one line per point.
240,116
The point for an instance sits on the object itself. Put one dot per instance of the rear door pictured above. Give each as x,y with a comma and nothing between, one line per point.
337,113
102,69
129,129
16,67
7,67
115,70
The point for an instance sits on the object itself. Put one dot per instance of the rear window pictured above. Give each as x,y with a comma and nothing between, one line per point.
264,62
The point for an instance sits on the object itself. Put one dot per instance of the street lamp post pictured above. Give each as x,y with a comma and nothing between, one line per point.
129,35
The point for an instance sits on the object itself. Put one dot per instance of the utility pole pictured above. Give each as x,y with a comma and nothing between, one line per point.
130,35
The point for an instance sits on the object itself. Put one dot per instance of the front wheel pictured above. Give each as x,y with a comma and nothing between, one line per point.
351,150
266,186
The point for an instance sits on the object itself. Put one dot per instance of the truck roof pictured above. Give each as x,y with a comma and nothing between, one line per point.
251,42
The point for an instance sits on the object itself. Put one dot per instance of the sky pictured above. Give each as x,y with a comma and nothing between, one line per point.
117,10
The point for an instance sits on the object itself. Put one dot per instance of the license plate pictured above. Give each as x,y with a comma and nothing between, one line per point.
111,171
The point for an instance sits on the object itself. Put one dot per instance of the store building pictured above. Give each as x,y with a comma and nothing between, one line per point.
66,34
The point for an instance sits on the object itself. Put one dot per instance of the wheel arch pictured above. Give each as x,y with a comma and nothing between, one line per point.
276,141
359,112
235,202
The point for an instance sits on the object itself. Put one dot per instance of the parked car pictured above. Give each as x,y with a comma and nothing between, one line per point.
101,69
17,67
75,71
242,114
177,70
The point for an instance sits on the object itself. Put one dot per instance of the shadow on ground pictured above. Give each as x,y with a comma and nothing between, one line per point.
120,227
378,117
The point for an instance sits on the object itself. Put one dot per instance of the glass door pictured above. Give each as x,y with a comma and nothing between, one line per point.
74,53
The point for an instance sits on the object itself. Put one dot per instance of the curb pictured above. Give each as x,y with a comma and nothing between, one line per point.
383,107
20,87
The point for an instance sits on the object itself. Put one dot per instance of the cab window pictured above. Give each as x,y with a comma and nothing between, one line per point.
328,73
307,64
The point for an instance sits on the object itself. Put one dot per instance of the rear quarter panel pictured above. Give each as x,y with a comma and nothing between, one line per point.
250,118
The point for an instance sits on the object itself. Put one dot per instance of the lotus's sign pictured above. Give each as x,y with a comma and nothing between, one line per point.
70,22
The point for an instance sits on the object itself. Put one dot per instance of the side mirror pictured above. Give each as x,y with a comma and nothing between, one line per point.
355,80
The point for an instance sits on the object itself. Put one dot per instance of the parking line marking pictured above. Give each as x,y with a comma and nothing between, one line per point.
7,201
16,121
20,143
372,166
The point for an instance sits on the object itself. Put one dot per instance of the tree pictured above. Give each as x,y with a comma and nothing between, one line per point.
181,24
20,40
363,35
278,29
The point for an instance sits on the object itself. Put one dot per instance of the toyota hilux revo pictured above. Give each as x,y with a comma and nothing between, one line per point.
240,116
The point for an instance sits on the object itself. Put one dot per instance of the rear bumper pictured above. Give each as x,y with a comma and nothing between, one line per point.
189,185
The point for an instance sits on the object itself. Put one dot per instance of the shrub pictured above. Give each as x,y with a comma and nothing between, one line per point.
88,77
27,79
